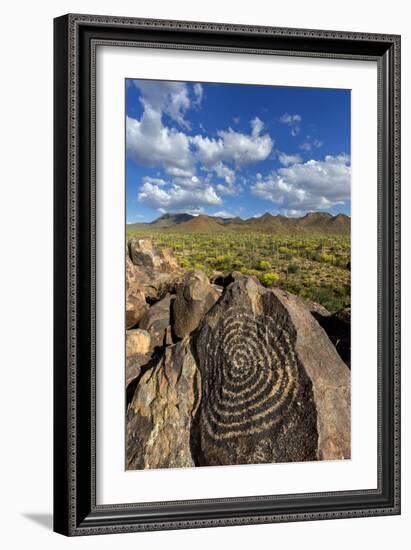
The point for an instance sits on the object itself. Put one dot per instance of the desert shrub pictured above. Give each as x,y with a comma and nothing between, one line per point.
292,267
263,265
269,279
251,272
328,258
284,250
184,263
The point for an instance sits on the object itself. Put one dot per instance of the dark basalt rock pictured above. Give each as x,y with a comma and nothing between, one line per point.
268,382
157,320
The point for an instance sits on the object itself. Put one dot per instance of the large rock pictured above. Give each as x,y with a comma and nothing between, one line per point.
330,378
156,285
137,341
160,415
136,304
195,296
156,271
134,364
157,320
273,387
145,253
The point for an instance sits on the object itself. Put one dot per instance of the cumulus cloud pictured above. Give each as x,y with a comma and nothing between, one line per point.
171,98
223,214
150,143
198,93
293,121
309,186
286,160
176,197
291,212
225,173
155,181
257,126
233,147
309,145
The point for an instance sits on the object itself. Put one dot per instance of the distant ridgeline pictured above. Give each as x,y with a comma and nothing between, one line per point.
311,223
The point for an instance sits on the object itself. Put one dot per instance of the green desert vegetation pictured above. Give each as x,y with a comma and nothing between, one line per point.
315,267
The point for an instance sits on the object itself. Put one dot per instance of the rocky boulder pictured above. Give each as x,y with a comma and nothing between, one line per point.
145,253
157,320
156,271
195,296
136,304
138,341
330,377
160,415
134,364
273,387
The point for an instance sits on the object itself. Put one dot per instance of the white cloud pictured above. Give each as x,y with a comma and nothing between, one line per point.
286,160
150,143
310,186
171,98
233,147
291,212
198,92
309,145
155,181
225,173
195,211
293,121
236,120
228,189
177,197
223,214
257,126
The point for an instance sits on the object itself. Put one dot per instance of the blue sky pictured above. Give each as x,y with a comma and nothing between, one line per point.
235,150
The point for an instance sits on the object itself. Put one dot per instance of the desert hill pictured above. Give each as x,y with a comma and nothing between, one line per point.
311,223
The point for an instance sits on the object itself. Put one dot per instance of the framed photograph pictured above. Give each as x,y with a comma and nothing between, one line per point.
227,278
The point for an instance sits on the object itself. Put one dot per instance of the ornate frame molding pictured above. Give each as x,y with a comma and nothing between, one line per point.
76,40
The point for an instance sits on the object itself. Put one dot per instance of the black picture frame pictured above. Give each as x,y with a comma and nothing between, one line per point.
76,38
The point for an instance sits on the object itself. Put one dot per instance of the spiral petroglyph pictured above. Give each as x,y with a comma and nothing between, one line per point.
255,393
253,368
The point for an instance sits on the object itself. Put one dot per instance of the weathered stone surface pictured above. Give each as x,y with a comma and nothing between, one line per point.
273,386
257,403
156,285
195,296
330,379
134,364
136,304
156,271
169,262
160,415
156,321
137,341
145,253
316,309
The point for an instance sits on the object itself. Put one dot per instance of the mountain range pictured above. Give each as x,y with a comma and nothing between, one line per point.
313,222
